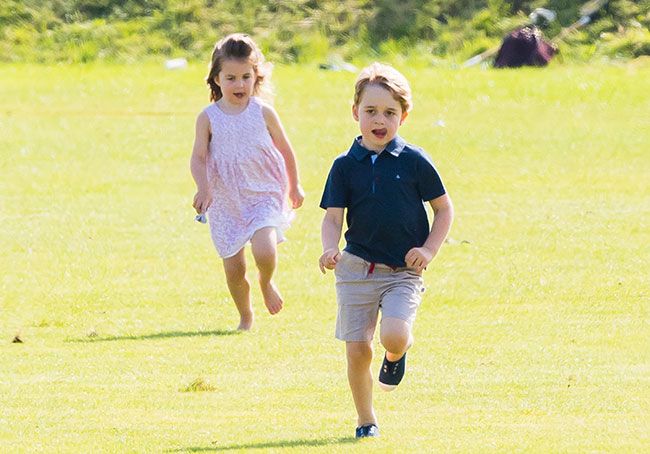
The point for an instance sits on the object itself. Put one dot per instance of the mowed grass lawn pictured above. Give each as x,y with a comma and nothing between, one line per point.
534,330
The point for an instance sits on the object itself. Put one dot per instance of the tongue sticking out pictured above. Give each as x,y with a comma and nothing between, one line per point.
380,133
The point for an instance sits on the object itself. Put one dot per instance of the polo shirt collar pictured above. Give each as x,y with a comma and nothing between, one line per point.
394,147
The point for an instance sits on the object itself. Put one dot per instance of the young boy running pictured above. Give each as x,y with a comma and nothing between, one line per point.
382,181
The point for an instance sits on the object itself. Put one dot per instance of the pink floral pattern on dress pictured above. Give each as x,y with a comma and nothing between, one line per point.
248,178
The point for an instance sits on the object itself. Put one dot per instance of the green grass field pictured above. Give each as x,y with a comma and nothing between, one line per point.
533,334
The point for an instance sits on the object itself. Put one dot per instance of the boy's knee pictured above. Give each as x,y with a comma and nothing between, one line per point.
396,343
396,337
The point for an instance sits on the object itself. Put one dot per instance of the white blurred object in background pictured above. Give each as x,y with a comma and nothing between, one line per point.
546,14
176,63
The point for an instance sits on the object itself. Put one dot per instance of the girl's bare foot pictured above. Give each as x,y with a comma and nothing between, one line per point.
272,298
245,322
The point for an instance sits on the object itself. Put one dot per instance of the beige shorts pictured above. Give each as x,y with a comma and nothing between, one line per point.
363,289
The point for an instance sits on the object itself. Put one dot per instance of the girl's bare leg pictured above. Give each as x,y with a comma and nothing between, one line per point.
264,243
235,268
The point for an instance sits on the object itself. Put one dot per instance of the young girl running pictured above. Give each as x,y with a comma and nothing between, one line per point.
244,169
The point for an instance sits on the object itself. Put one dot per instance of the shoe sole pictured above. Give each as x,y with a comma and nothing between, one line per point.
387,388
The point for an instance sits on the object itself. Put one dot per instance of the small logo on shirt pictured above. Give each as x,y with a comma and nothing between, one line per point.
397,177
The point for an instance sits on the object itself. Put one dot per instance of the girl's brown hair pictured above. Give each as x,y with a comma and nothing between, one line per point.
387,77
237,46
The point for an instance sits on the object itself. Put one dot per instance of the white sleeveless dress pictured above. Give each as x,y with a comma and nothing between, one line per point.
248,178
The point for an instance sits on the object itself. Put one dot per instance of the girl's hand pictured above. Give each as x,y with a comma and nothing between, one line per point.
418,258
297,196
329,259
202,201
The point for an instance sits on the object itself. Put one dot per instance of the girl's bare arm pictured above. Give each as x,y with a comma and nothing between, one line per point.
198,164
281,141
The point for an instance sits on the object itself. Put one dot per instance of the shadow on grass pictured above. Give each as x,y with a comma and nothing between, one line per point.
269,444
163,335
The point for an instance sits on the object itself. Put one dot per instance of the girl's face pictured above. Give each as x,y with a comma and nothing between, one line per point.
237,81
379,116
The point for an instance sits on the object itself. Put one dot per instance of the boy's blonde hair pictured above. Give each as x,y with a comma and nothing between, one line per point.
237,46
387,77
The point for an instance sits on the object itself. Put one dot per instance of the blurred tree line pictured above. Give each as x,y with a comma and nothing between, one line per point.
303,30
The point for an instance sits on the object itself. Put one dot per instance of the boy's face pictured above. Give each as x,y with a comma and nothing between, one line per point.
236,80
379,116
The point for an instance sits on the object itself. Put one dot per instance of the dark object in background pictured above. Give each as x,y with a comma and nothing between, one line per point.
524,47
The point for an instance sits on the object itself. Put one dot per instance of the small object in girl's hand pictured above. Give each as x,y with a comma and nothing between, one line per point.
201,218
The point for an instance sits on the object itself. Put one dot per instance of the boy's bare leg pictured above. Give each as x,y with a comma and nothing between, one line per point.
235,268
396,337
359,357
264,244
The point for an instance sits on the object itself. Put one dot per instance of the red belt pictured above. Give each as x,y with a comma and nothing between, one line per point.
371,267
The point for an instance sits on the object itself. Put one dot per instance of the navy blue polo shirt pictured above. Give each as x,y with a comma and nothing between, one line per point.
384,197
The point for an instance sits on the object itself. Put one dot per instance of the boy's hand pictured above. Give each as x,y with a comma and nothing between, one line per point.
202,201
418,258
329,259
296,196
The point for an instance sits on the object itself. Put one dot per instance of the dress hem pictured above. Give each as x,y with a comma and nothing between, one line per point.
279,231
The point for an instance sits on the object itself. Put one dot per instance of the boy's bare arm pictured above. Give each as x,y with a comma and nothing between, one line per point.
443,215
330,237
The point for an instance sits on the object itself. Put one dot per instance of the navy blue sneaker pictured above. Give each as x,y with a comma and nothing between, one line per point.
367,430
391,373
